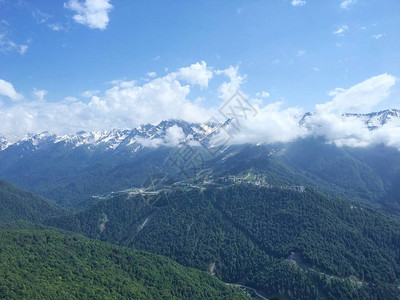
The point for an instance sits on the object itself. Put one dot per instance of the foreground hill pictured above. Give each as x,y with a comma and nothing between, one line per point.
49,265
16,204
281,242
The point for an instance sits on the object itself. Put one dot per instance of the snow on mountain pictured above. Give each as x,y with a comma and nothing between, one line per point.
378,119
147,135
112,139
4,144
373,120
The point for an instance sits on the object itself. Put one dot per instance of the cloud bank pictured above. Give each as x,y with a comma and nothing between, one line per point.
128,104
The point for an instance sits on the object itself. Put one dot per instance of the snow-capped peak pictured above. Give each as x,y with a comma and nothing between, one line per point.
4,144
112,139
372,121
377,119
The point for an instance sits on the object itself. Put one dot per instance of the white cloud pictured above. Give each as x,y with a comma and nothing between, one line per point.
127,104
272,124
330,122
298,2
351,131
341,29
174,135
347,3
301,53
263,94
22,49
377,36
56,27
123,83
7,45
41,17
7,89
71,99
151,74
227,89
361,97
92,13
197,73
90,93
39,94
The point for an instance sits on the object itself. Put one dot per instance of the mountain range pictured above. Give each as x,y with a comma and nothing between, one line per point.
73,169
136,138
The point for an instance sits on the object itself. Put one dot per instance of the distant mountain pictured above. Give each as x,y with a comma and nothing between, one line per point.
72,169
378,119
3,144
113,139
133,138
372,121
49,265
282,243
16,204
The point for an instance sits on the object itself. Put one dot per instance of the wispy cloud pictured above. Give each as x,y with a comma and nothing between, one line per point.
377,36
263,94
347,3
39,94
7,45
8,90
301,53
56,27
41,17
298,2
90,93
341,29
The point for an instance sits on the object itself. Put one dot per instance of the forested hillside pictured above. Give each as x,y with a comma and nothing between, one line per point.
281,242
49,265
16,204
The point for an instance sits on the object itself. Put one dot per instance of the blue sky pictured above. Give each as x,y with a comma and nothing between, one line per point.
293,51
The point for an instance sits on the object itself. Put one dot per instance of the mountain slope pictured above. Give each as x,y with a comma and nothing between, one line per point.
50,265
16,204
283,243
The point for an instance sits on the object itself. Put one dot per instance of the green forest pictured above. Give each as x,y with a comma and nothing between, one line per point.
49,265
281,242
